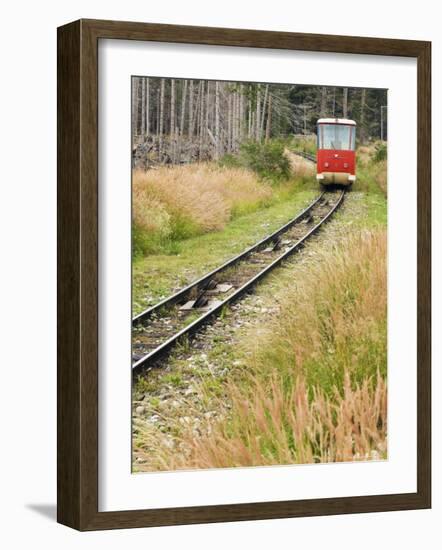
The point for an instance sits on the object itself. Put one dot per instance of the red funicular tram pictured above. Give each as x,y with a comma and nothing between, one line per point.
336,151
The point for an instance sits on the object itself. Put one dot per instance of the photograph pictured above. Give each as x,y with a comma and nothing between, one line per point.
227,238
259,274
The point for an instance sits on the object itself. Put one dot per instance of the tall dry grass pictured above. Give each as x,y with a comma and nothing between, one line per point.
372,167
314,388
300,167
364,153
275,425
181,201
380,175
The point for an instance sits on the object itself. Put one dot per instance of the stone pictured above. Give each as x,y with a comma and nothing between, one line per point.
187,306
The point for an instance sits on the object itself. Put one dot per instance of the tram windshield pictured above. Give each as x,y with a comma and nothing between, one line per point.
336,136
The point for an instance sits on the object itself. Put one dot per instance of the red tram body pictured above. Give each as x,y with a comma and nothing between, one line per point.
336,151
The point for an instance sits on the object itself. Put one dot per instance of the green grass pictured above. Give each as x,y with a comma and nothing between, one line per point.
174,379
306,144
312,379
331,327
362,211
157,275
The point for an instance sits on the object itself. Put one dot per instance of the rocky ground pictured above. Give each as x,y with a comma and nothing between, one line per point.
186,391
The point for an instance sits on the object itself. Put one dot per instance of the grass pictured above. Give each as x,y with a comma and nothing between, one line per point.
314,389
266,159
333,314
175,203
275,425
380,175
299,166
188,219
308,385
157,275
311,386
372,169
307,144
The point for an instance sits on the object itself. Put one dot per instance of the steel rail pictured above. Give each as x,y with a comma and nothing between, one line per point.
189,330
181,294
307,156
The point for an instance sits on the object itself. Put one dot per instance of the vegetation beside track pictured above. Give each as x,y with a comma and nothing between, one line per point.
372,169
189,219
305,364
313,389
295,371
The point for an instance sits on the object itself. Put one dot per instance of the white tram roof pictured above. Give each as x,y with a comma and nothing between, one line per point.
337,121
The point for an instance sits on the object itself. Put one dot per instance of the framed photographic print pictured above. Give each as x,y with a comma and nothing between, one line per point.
243,274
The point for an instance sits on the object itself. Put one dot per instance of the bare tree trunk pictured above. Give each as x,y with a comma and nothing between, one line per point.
258,112
305,119
190,107
249,134
201,121
269,119
233,121
261,130
206,142
139,105
362,119
180,130
229,123
182,119
172,108
183,108
195,114
172,145
236,109
157,122
323,111
217,128
147,107
345,103
241,111
160,143
143,107
134,105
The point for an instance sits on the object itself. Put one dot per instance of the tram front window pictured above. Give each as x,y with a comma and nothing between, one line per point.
336,136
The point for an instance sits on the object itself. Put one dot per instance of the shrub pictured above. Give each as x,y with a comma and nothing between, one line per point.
380,151
266,159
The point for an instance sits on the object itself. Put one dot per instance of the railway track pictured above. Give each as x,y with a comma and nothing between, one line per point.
307,156
158,329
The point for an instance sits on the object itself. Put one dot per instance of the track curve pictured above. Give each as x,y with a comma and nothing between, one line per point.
158,329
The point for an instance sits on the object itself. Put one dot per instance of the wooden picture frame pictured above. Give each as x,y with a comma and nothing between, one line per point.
78,274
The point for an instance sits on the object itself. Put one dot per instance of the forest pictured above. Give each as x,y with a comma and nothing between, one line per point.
179,121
